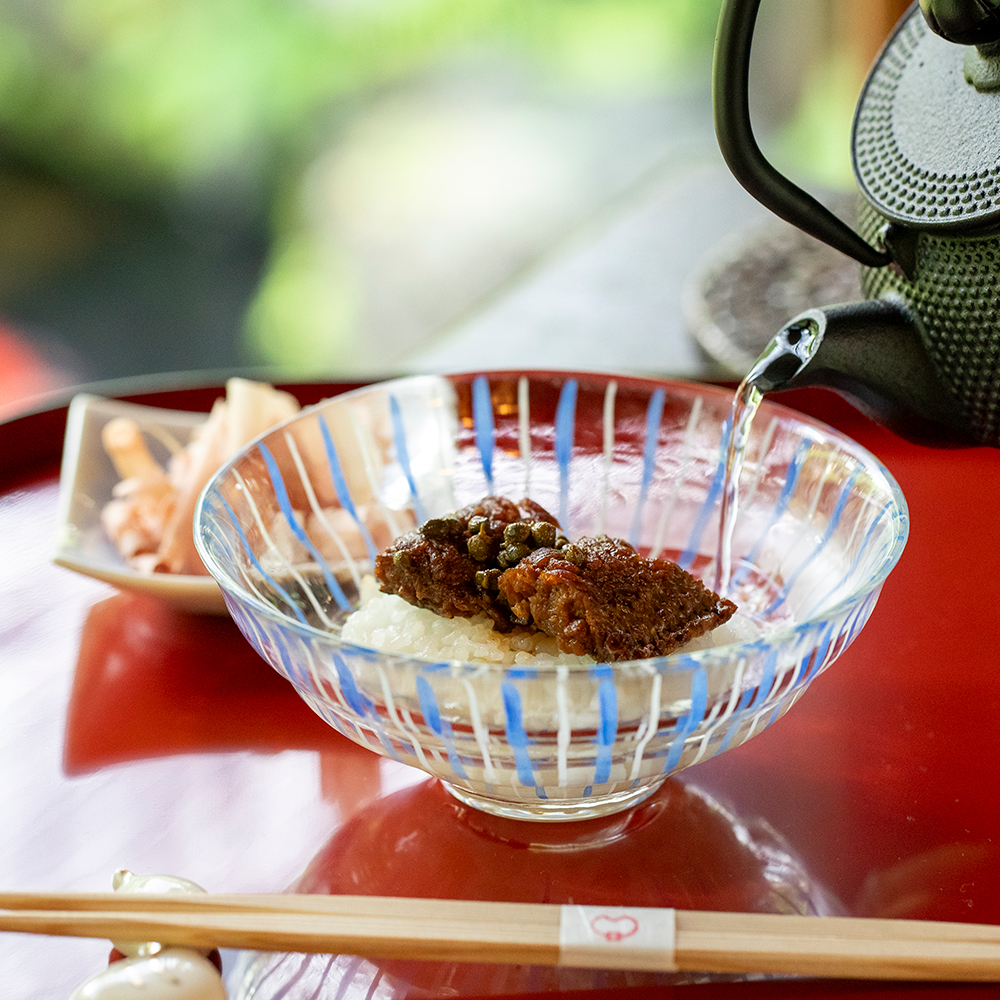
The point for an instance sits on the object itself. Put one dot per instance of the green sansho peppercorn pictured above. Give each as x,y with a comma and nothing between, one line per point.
440,528
519,531
479,547
488,579
544,534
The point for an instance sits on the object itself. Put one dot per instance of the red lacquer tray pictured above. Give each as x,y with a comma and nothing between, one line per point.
134,735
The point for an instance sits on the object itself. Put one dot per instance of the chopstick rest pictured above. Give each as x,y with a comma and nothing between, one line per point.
128,883
610,937
147,970
171,974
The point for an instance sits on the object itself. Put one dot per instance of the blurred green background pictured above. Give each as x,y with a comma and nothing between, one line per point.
319,186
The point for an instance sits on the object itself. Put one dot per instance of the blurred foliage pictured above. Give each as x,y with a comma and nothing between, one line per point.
220,106
305,312
814,144
160,97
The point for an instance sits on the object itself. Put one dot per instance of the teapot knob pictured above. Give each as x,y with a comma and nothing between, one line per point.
967,22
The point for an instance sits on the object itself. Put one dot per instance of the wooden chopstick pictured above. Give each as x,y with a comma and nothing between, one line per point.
521,933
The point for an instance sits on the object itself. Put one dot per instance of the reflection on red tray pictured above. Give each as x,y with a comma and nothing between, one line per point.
152,681
679,848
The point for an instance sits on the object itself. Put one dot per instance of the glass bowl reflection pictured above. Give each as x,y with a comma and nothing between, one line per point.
420,843
290,526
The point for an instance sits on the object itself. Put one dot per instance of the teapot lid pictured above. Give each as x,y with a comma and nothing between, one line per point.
926,142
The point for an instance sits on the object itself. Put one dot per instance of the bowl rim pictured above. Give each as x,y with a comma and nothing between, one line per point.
679,660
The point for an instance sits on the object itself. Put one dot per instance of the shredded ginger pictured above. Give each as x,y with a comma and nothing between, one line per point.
151,513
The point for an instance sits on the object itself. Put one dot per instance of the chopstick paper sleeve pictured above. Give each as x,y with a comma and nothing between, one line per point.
614,937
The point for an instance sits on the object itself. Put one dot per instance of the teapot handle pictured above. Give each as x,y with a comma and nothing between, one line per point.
730,96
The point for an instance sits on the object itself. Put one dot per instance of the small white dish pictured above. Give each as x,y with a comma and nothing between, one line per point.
86,480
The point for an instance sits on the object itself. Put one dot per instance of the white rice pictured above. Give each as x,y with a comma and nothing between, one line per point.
387,622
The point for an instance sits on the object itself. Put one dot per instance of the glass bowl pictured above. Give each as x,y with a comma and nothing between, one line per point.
290,526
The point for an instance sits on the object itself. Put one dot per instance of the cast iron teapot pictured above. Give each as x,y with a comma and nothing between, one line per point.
922,354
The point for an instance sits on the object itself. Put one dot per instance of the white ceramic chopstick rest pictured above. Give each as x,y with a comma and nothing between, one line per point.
172,974
151,971
125,881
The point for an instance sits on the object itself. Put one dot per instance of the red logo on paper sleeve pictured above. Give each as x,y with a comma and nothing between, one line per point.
614,928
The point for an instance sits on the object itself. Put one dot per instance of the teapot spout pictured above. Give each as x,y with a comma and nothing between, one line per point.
871,353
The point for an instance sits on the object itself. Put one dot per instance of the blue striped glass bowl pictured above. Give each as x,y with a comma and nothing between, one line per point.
290,526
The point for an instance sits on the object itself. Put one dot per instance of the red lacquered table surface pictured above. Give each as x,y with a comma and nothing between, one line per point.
133,735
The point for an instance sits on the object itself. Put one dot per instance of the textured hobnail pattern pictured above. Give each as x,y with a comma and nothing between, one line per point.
925,142
955,299
822,523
